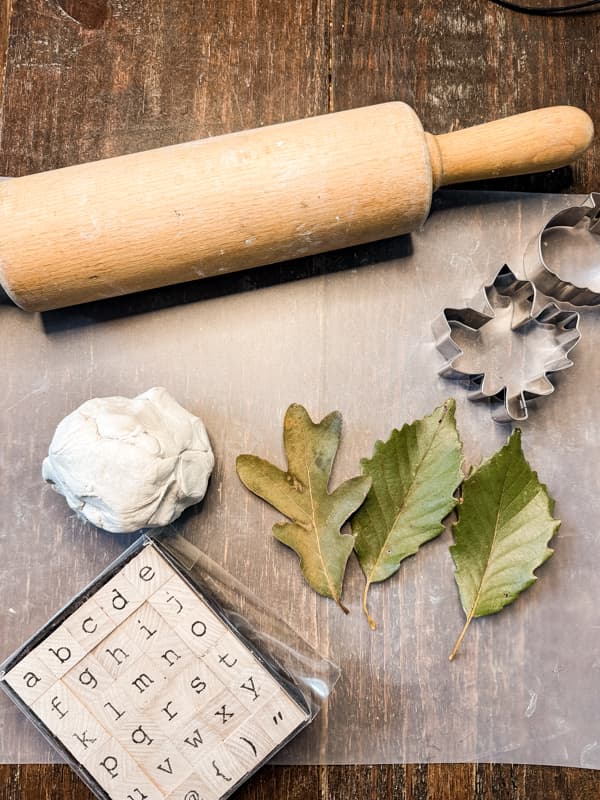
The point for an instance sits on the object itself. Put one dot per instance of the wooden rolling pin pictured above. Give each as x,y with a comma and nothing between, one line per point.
251,198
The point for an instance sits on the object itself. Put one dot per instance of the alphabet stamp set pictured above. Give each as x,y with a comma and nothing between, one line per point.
148,690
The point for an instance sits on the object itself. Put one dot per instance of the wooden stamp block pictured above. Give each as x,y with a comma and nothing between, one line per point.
142,739
142,682
143,789
119,598
117,652
229,658
195,787
89,625
119,775
88,680
220,770
59,652
169,651
194,738
168,770
114,709
279,717
172,600
254,687
249,744
144,625
85,738
171,710
224,713
30,678
56,708
70,720
178,586
148,571
200,630
197,685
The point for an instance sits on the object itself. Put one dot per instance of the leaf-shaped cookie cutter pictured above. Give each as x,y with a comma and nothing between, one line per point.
573,227
520,295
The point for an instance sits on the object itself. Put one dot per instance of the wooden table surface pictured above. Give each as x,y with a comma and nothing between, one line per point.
84,79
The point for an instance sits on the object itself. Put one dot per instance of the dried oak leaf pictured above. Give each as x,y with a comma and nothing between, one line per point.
301,494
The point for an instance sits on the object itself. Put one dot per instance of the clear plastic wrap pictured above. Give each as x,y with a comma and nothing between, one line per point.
356,337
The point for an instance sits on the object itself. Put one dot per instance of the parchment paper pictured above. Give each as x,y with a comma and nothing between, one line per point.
355,336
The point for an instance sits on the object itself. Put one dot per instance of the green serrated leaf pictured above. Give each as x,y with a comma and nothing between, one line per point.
504,526
414,476
301,495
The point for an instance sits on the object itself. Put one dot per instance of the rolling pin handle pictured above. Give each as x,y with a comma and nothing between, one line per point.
536,141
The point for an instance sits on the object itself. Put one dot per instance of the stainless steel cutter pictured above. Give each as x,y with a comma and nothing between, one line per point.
563,260
504,347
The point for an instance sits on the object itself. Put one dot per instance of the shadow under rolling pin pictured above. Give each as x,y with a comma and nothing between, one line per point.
252,198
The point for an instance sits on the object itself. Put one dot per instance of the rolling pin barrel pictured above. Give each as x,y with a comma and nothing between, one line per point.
246,199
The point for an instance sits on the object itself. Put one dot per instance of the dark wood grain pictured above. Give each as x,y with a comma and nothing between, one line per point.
460,64
145,73
399,782
84,79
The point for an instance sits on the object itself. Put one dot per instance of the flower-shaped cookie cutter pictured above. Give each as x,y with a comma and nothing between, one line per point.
504,347
563,260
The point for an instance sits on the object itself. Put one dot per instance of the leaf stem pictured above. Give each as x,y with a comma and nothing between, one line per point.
341,605
461,636
370,620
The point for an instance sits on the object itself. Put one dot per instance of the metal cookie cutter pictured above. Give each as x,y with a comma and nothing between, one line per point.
505,348
564,259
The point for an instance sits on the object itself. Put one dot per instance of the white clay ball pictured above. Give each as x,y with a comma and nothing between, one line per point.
125,464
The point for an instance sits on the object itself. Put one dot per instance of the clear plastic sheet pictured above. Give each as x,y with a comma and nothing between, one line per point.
355,336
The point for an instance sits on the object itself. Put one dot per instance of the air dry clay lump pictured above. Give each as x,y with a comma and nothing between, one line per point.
125,464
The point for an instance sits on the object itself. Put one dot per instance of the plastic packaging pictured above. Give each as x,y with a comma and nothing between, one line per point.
154,682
